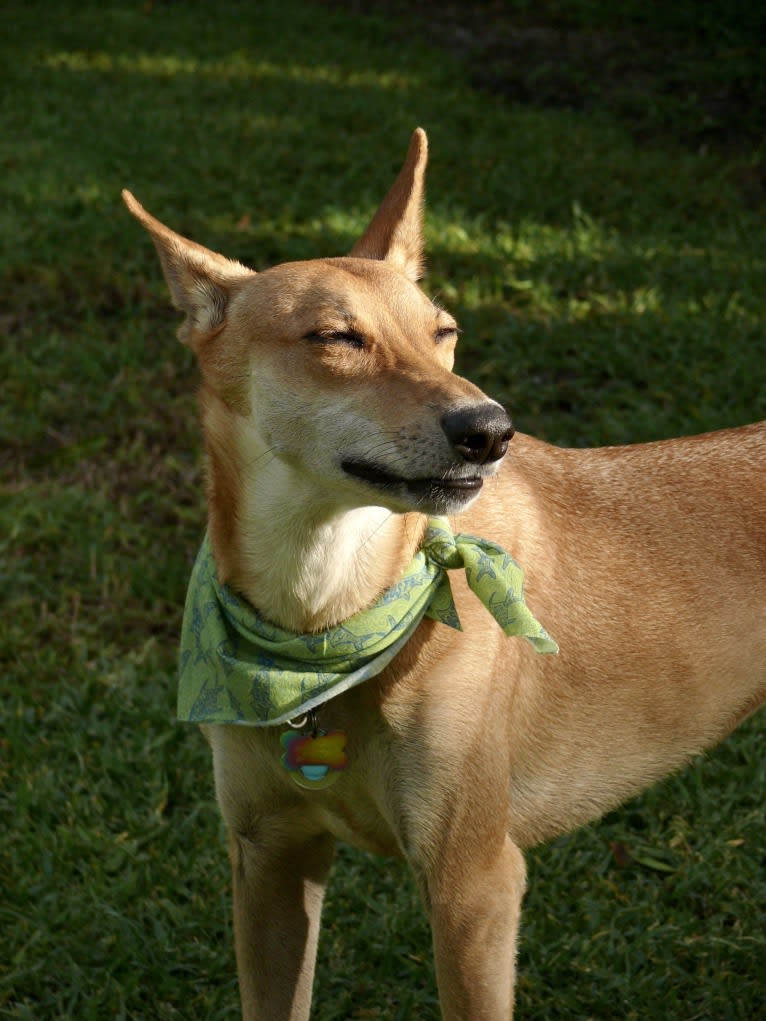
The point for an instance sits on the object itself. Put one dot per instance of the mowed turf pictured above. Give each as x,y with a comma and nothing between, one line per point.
606,261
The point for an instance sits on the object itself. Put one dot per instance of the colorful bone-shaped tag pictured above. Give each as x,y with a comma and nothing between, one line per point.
314,760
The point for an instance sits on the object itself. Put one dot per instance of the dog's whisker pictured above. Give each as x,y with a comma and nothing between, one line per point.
261,460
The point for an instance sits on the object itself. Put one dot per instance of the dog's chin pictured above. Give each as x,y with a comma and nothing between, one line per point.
427,495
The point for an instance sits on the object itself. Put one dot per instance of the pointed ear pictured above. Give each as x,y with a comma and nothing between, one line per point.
200,281
396,231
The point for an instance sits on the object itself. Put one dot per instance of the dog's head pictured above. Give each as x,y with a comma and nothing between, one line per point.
341,369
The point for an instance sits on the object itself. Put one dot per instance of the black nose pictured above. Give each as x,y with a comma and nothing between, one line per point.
479,433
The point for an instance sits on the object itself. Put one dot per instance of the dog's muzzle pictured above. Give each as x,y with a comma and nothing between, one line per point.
478,437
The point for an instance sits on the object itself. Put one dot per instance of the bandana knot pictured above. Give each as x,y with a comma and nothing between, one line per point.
236,667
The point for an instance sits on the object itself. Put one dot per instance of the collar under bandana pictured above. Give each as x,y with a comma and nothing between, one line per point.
237,668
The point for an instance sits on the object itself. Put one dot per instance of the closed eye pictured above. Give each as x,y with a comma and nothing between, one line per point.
351,338
446,333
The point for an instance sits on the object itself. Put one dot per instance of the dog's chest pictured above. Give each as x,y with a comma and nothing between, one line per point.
358,823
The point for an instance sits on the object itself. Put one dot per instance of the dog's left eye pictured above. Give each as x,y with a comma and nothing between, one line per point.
446,333
348,337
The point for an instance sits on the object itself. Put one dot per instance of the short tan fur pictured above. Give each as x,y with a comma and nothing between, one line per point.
332,423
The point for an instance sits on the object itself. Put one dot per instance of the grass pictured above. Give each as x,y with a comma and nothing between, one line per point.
607,270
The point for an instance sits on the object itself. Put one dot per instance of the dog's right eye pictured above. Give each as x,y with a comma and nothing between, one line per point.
348,337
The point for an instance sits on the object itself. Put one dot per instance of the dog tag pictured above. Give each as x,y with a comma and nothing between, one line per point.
315,760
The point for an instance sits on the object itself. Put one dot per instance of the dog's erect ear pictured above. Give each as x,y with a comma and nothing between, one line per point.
200,281
396,231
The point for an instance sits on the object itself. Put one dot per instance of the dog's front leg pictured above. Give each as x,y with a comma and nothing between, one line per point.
279,886
474,900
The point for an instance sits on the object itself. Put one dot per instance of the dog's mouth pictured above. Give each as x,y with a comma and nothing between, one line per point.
430,494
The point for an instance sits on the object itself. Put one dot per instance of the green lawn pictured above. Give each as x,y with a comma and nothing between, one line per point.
606,258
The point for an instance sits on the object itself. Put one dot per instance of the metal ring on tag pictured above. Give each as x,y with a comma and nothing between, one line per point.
306,723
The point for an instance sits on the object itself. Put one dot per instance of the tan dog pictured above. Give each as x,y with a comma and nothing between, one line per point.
333,423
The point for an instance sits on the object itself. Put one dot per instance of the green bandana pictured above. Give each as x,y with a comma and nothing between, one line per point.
237,668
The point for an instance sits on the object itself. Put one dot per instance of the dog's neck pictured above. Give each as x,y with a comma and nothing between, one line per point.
302,560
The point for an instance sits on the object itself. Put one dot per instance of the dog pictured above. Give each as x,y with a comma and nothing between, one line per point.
335,431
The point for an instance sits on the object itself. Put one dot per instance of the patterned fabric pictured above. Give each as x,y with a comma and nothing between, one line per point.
237,668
